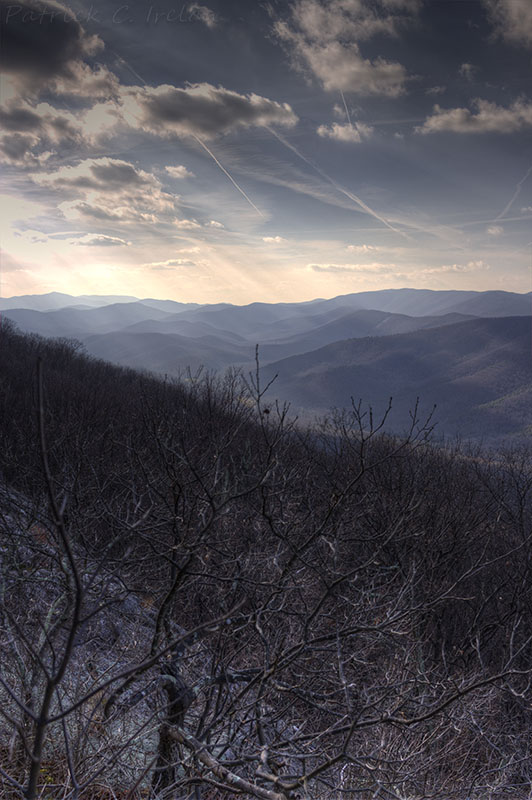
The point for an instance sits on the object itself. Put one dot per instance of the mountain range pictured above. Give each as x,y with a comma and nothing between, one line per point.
467,352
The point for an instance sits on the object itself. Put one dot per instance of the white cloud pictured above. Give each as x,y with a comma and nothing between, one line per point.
526,210
471,266
203,14
213,223
273,239
324,37
377,268
488,118
187,224
171,263
354,133
512,18
362,248
99,240
436,90
179,172
494,230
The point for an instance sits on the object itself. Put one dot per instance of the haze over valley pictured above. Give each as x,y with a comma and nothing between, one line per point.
468,353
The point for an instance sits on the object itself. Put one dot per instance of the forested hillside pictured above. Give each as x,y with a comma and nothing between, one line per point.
478,375
202,600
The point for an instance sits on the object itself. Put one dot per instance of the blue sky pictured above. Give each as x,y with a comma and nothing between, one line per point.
241,151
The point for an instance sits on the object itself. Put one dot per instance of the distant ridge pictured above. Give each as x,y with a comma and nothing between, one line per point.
53,301
468,352
414,302
478,373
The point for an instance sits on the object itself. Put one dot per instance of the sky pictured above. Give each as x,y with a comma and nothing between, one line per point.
240,151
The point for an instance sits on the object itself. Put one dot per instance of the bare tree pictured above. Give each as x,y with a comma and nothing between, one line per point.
203,599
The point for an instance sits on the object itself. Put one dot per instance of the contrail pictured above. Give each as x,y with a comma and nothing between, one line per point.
515,195
235,184
350,195
348,115
129,67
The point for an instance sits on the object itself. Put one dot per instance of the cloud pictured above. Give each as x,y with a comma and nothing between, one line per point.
323,36
471,266
32,129
187,224
33,236
377,268
512,19
111,190
200,109
468,71
193,224
494,230
100,240
44,47
179,172
203,14
371,269
101,174
170,264
488,118
526,210
273,239
436,90
354,133
362,248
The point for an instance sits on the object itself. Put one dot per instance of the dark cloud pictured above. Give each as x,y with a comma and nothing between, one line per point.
16,147
32,131
102,174
42,41
205,110
21,120
110,190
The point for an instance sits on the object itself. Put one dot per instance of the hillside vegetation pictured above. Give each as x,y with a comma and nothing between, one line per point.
201,600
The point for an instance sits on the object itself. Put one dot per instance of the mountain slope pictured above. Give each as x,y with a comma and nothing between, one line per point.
167,353
78,322
354,324
479,373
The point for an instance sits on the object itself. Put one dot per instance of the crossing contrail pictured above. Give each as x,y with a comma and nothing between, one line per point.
350,195
235,184
199,141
